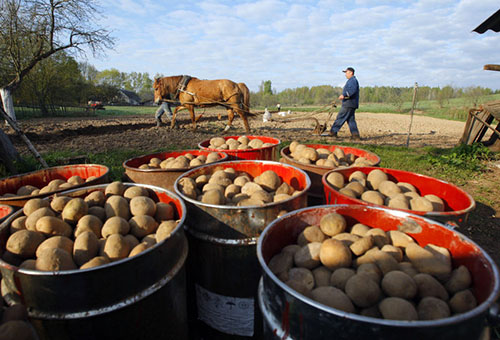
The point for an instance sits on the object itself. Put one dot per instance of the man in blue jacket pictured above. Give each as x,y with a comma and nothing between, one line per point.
350,102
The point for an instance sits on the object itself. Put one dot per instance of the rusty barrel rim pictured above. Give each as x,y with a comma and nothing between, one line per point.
204,144
126,164
477,311
239,162
431,214
285,153
179,226
16,200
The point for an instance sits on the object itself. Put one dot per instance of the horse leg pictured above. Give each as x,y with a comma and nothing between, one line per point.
244,118
230,117
191,113
174,116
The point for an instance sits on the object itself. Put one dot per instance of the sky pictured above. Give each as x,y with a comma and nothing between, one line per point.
305,43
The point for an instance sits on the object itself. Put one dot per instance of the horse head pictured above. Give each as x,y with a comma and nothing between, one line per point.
165,88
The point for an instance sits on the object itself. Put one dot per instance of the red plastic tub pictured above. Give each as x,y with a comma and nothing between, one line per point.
40,178
164,178
5,211
268,153
458,203
316,172
291,315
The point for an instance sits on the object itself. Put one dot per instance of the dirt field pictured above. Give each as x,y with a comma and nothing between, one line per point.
91,134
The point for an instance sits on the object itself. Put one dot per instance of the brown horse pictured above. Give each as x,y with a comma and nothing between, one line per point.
202,93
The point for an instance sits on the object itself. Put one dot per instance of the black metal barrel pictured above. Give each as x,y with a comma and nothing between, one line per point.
142,297
223,271
288,314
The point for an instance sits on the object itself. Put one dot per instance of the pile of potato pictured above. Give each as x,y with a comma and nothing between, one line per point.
69,233
55,184
14,323
374,273
188,160
377,188
324,157
242,143
230,187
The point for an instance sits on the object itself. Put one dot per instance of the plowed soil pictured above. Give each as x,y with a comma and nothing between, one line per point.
102,134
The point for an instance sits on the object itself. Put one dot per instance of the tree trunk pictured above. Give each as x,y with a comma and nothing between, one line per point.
8,152
8,104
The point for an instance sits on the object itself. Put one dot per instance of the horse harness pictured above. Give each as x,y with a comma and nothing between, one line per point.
181,87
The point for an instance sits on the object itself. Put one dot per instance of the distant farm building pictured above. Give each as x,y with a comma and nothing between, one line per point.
128,98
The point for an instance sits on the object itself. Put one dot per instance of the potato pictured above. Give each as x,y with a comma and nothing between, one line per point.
164,230
117,206
255,143
89,223
142,205
95,198
268,180
139,249
427,285
463,301
399,284
363,291
231,190
199,181
460,280
394,308
431,308
131,240
74,210
280,264
263,196
285,188
135,191
29,264
34,204
348,192
346,238
333,297
375,177
358,176
114,188
362,245
303,276
18,224
247,202
399,239
340,276
85,248
372,196
281,197
389,188
23,243
322,276
429,260
308,256
371,312
356,187
17,330
116,247
250,187
241,180
421,204
98,212
95,262
380,238
291,248
62,242
395,252
398,202
437,203
293,145
58,202
408,268
336,180
213,186
115,225
222,181
313,234
26,190
212,157
142,225
213,196
54,259
383,260
406,187
217,141
238,198
370,270
332,224
334,254
31,220
52,226
309,153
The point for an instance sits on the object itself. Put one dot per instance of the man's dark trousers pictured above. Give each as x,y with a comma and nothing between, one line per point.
345,114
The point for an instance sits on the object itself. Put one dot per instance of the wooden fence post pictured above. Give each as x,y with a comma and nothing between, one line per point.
411,113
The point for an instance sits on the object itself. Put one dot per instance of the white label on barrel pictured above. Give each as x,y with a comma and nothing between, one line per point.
227,314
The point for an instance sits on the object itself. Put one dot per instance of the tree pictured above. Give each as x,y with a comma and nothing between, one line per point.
34,30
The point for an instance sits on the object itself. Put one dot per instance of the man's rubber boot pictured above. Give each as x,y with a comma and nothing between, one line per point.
158,122
355,136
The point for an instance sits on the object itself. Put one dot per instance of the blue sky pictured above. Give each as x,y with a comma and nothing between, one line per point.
305,43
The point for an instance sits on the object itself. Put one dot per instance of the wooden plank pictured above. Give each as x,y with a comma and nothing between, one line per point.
465,136
476,126
487,125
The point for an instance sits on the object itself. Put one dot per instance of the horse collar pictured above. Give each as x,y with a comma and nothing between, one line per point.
181,87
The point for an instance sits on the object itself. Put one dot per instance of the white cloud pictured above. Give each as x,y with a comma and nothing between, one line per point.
306,43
